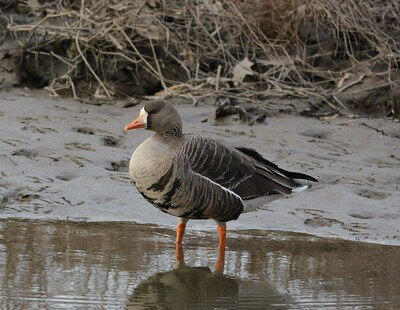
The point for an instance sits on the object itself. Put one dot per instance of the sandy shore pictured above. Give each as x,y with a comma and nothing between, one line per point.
64,160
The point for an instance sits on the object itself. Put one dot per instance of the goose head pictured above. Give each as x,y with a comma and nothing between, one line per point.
160,117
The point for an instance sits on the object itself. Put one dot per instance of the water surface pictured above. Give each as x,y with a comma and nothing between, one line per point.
53,265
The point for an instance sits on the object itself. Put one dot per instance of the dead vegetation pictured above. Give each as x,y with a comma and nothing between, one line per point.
343,54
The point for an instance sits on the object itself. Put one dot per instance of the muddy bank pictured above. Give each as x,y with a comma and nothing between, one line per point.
62,160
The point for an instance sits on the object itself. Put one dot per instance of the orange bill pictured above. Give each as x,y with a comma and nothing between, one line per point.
136,124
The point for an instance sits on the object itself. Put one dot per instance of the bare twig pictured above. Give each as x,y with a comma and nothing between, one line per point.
90,68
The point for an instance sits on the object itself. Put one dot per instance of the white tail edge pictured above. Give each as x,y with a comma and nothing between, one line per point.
299,189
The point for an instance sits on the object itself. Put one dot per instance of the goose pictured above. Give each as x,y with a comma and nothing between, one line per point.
196,177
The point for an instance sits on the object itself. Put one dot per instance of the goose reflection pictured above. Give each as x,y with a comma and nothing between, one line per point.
219,266
188,287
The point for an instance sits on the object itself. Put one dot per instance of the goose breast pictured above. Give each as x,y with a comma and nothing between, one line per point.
150,160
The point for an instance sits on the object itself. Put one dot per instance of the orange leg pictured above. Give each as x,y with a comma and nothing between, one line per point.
219,266
179,253
180,230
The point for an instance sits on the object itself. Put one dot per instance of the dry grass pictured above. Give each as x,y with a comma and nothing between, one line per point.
251,50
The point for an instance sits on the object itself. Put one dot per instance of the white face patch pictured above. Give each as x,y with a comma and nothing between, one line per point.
144,115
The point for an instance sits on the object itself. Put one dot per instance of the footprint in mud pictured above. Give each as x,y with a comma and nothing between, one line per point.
84,130
322,157
366,193
317,134
320,221
357,228
42,130
66,177
4,201
362,215
389,162
389,216
122,166
78,146
80,161
25,152
25,120
314,212
230,132
110,141
395,157
19,197
12,142
394,133
26,197
107,140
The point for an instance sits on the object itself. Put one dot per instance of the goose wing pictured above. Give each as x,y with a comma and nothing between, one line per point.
241,170
195,196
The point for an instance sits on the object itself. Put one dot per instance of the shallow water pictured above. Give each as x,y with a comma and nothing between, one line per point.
51,265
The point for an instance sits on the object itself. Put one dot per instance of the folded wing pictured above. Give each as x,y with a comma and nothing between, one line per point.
241,170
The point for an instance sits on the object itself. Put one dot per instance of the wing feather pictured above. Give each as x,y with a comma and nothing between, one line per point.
241,170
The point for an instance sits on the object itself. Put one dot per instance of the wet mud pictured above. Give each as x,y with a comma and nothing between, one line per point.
64,160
